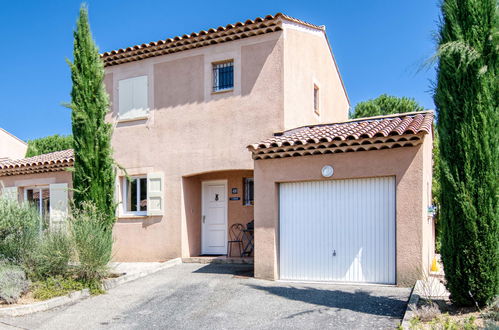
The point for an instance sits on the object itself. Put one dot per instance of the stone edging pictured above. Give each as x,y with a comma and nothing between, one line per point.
73,297
411,307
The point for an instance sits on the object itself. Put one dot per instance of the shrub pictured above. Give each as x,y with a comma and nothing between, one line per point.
13,282
93,242
55,286
19,227
51,255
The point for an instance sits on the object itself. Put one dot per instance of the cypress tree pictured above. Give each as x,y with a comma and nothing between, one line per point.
94,172
467,97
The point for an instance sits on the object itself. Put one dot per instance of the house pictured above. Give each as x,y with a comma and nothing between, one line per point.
11,147
183,111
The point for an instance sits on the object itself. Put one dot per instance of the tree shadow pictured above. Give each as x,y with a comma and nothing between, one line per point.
359,301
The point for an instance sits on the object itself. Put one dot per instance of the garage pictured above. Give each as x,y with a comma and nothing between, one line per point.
338,230
346,202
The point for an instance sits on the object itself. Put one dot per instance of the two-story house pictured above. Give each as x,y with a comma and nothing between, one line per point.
332,199
184,110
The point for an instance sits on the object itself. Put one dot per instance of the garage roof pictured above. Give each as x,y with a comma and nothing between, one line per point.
373,133
51,162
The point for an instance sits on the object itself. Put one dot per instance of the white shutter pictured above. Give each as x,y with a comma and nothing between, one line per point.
9,193
58,203
155,194
140,94
125,100
133,97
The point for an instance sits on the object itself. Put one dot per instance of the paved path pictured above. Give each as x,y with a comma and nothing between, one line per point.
194,296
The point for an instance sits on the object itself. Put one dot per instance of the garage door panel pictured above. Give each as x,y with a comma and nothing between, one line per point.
339,230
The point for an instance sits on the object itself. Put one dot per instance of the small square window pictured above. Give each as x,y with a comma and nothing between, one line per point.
223,76
248,191
316,99
135,196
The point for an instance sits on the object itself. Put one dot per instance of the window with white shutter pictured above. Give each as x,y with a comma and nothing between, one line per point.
133,98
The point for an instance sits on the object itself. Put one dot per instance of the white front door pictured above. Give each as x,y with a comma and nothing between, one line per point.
214,217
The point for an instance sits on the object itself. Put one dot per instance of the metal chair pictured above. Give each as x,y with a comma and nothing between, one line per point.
235,237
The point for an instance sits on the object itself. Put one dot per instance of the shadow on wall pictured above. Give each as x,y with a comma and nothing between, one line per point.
358,301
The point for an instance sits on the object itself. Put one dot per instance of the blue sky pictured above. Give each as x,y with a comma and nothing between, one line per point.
380,46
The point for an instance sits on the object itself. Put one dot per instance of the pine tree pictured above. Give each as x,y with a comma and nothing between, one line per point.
467,97
94,172
385,105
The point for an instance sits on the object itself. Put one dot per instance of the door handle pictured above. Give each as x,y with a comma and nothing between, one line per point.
204,217
334,253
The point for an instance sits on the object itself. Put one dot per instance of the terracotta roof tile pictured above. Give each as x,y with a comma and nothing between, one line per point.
54,161
363,128
239,30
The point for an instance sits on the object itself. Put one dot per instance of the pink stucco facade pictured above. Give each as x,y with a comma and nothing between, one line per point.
412,169
192,134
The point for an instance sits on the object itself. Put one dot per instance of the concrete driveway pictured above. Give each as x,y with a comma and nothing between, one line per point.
194,296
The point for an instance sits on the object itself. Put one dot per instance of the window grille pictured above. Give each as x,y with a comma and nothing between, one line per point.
223,76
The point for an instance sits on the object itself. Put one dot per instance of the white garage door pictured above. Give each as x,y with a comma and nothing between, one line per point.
339,230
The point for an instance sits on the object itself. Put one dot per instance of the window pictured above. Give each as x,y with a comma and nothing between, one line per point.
316,99
135,196
248,191
223,76
133,98
40,198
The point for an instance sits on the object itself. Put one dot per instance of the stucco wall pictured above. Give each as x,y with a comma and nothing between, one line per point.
11,147
308,61
191,130
406,164
31,180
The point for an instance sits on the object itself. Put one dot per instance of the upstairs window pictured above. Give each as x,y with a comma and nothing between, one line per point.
316,99
133,98
223,76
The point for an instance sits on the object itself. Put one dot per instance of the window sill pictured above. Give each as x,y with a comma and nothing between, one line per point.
126,120
132,216
228,90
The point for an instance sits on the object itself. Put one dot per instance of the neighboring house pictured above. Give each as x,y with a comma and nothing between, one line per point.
42,180
183,111
11,147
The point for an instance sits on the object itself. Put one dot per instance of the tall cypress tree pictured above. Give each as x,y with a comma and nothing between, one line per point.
467,98
94,172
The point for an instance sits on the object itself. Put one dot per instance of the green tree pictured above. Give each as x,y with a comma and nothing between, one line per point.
385,105
466,97
48,144
94,171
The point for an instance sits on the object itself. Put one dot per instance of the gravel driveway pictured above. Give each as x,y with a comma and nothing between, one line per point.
194,296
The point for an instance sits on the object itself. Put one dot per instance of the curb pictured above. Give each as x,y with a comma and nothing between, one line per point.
45,305
73,297
114,282
411,307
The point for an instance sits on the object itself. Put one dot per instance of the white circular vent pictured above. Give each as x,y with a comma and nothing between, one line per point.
327,171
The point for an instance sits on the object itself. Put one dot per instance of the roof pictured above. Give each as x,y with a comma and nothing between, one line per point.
373,133
239,30
51,162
